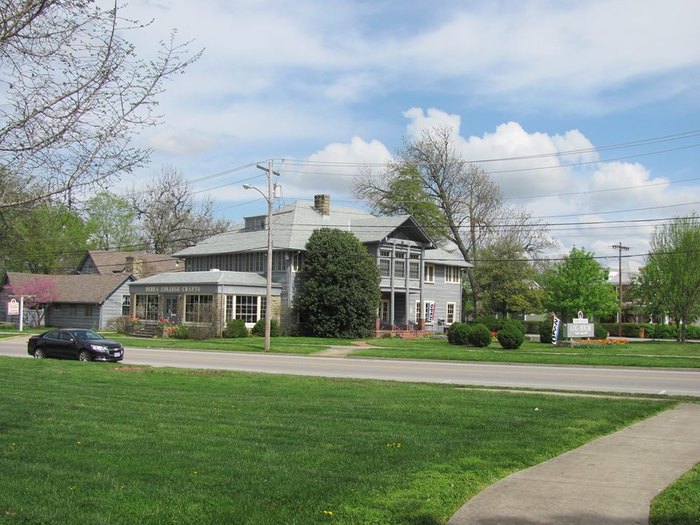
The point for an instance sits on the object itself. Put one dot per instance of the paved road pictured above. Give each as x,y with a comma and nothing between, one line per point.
594,379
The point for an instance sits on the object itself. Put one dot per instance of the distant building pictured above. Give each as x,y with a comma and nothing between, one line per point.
224,278
138,264
83,301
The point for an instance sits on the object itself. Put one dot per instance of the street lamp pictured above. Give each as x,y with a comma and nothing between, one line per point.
268,292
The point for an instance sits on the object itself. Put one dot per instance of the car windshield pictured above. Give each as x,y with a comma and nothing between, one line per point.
86,335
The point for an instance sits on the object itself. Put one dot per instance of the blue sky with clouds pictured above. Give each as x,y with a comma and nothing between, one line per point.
325,82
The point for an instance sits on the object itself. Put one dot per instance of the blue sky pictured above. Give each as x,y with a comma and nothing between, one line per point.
323,82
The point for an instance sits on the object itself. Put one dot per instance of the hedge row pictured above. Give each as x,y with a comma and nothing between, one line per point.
510,334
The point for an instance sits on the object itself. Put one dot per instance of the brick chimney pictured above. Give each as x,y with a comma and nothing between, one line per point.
134,266
322,204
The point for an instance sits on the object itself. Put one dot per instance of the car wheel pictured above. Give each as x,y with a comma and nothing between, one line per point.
84,355
39,353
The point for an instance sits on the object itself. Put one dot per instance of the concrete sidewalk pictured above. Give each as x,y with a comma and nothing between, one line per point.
609,481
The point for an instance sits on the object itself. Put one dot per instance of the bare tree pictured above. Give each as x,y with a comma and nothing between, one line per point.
74,94
169,216
468,199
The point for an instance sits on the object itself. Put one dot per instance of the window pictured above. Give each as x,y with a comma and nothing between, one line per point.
399,268
297,262
88,310
429,273
230,300
147,307
198,308
451,309
416,317
452,274
126,305
413,270
250,308
385,267
385,253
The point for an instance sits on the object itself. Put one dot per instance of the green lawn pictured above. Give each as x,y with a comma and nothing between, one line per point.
109,443
285,345
646,354
680,503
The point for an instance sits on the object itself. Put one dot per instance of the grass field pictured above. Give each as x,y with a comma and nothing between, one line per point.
644,354
108,443
680,503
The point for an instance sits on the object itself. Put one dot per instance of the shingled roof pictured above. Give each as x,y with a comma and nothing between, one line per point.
293,225
83,289
109,262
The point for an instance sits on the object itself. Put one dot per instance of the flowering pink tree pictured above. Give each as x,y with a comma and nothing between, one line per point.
39,291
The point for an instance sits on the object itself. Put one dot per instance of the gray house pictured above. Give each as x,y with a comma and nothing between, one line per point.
81,301
421,285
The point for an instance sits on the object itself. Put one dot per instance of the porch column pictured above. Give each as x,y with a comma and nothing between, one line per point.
393,291
421,280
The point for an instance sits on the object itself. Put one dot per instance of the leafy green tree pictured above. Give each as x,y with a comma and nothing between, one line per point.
110,221
48,239
340,295
670,280
579,283
507,280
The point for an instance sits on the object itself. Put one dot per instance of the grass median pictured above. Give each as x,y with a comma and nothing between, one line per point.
643,354
109,443
662,354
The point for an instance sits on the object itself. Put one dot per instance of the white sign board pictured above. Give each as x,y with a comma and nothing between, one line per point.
572,330
12,307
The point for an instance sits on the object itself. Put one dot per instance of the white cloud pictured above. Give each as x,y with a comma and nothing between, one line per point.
333,169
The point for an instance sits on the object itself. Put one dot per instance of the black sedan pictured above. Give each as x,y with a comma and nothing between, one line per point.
74,343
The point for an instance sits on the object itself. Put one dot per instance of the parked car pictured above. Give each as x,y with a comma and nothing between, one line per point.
74,343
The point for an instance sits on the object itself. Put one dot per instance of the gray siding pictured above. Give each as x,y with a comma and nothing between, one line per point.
112,307
83,315
73,315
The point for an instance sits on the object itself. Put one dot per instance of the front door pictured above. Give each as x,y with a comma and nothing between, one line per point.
170,308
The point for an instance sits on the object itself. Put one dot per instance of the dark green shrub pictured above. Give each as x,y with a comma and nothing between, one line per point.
692,331
546,331
182,331
259,328
512,334
599,331
200,332
235,328
665,331
479,335
491,322
457,334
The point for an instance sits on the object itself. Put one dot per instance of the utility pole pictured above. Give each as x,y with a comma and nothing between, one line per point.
268,293
619,247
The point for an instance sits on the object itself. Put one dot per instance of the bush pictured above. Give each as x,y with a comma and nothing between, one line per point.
512,334
457,334
182,331
479,335
665,331
126,324
692,331
601,332
259,328
491,322
546,331
235,328
200,332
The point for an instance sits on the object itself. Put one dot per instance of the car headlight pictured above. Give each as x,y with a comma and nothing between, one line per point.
99,348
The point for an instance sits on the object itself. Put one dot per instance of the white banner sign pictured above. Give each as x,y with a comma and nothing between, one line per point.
12,307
